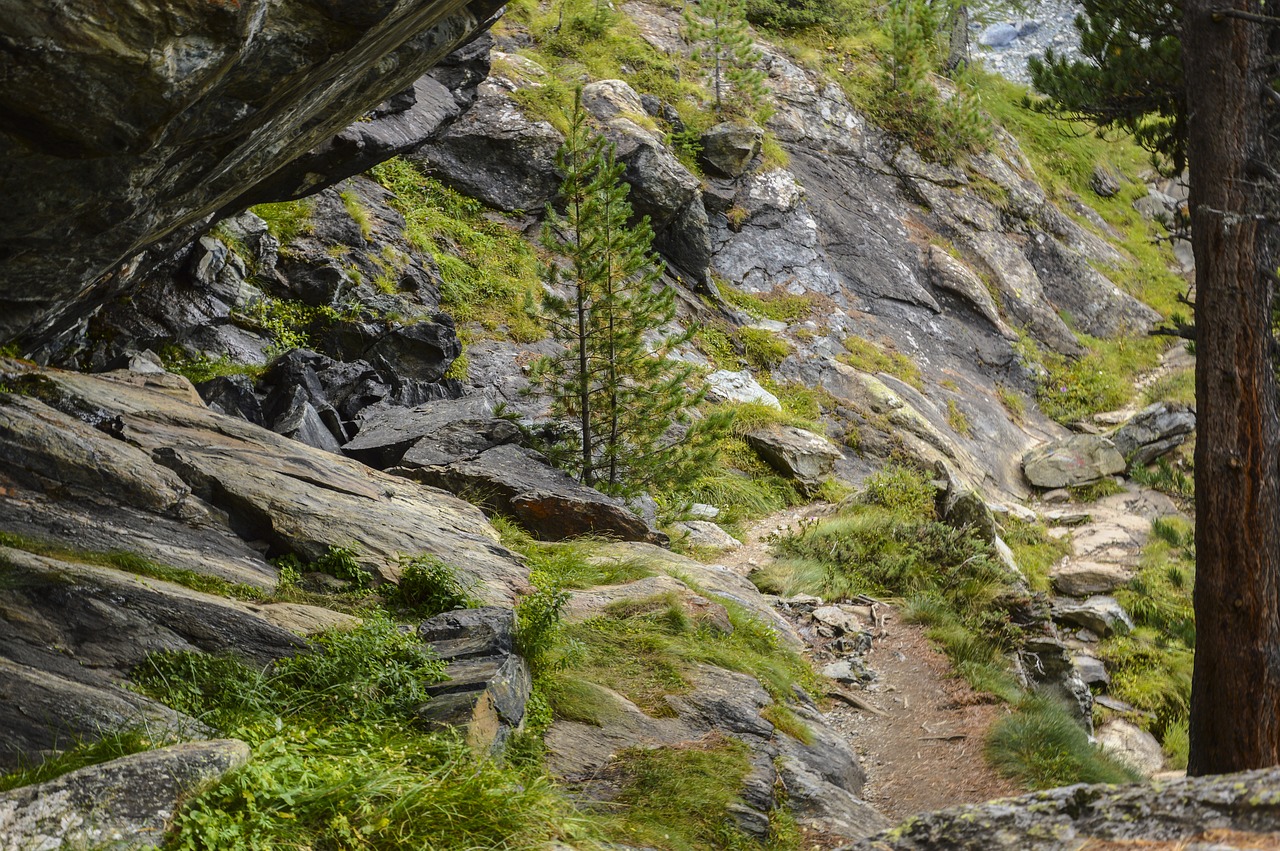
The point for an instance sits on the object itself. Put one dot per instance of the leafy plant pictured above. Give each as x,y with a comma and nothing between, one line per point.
429,586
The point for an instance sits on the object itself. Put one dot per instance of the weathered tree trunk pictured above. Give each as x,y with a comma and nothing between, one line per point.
1235,694
958,43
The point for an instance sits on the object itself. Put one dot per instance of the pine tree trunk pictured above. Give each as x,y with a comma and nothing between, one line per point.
1235,695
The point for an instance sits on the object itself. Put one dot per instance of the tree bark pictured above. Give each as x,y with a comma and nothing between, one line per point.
1235,694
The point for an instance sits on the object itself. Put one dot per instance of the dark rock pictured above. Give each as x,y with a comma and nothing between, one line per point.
1154,431
1047,663
121,156
494,153
125,803
432,434
686,241
728,147
468,633
1104,181
42,711
1077,460
518,482
420,352
1219,811
232,395
485,694
794,452
1096,305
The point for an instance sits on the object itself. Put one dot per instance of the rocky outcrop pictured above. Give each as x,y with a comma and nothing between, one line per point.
163,114
125,803
1228,811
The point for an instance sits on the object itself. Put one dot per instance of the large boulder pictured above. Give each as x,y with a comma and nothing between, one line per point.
1225,811
1081,459
1154,431
1132,745
521,484
133,128
802,455
125,803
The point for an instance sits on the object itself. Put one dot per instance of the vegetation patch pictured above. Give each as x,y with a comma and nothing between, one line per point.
80,754
286,220
763,350
778,305
490,275
1042,745
1101,380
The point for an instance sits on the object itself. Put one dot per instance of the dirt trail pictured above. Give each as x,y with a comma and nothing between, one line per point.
925,751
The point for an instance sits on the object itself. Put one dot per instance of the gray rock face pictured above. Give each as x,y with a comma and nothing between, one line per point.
727,148
950,274
124,803
546,501
802,455
428,435
120,154
1154,431
1131,745
704,533
1228,811
1077,460
1104,181
1086,578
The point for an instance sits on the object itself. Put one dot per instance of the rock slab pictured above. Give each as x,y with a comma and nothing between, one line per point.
125,803
1081,459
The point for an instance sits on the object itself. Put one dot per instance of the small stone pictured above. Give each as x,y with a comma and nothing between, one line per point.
1131,745
1057,495
838,619
1091,671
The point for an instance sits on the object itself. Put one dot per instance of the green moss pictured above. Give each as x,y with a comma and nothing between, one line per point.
866,356
958,420
778,305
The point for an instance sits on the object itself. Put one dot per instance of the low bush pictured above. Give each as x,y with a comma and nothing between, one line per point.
1041,745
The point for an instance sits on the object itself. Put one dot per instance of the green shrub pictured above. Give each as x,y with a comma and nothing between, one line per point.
1042,746
338,562
901,489
429,586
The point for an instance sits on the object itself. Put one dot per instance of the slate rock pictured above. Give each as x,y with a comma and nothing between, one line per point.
125,803
1104,181
423,351
462,634
496,154
704,533
795,452
1080,459
546,501
1091,671
1087,578
728,147
232,395
448,429
1154,431
485,695
998,35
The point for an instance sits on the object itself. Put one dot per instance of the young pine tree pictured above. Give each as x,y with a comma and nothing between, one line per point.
724,45
615,379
